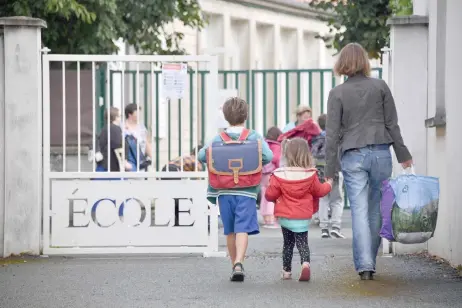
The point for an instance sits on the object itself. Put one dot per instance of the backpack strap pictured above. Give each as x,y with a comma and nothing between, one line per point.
224,136
244,135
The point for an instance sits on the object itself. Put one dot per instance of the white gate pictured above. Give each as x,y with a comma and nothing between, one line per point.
151,211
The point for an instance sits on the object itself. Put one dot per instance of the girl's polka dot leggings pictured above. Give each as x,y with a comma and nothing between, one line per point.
290,240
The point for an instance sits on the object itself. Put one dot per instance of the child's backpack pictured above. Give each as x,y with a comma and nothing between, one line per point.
235,163
318,148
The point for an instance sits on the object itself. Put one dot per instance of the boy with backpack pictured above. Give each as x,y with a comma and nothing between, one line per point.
234,161
333,202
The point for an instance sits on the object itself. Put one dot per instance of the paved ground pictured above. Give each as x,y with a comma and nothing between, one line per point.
191,281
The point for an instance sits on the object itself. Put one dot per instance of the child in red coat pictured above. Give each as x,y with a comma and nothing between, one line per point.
296,189
266,207
307,130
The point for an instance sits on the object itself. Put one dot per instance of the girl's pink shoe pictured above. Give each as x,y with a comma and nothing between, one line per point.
286,275
305,275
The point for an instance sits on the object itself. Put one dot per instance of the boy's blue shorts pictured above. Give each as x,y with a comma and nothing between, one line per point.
238,214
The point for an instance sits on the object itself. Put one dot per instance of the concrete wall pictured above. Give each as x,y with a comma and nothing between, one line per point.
426,66
445,143
408,35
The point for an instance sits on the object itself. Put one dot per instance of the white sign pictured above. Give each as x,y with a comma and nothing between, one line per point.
223,95
174,80
129,213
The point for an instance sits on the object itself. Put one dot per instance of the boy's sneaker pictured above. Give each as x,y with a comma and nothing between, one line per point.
325,233
335,232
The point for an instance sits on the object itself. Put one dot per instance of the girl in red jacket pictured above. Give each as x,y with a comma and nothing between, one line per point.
296,190
267,207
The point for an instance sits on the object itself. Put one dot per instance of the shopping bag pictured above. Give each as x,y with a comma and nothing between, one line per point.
386,207
410,206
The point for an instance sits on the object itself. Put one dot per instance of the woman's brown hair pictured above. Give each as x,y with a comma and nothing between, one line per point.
297,153
353,60
273,133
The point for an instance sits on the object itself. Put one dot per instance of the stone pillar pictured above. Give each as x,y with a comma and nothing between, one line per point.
409,57
227,41
21,135
253,57
420,7
276,47
300,49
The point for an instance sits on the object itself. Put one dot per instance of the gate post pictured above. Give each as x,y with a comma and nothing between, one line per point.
20,135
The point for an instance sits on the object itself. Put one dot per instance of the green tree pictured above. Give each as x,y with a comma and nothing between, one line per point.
92,26
361,21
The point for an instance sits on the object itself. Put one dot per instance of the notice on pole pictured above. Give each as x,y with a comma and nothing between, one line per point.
174,80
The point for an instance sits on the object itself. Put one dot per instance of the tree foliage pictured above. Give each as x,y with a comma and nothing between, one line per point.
93,26
361,21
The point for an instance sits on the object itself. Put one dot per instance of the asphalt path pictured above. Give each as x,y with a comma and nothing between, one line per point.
193,281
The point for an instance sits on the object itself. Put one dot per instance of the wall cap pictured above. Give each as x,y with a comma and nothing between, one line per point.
408,20
22,21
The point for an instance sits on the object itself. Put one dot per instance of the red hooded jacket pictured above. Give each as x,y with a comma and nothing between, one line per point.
296,192
307,130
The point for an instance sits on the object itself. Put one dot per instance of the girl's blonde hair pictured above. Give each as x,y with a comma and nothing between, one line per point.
297,153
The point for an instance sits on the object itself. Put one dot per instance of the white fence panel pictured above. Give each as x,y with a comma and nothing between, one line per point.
130,210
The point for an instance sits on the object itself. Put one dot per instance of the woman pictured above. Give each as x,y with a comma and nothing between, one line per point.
362,123
115,143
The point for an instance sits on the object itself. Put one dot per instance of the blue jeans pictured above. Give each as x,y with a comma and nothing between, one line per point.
364,170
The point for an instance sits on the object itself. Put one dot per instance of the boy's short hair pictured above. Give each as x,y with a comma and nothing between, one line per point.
322,121
353,60
235,110
273,133
130,109
113,114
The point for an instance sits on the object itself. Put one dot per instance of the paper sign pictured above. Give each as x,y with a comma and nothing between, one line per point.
223,95
174,80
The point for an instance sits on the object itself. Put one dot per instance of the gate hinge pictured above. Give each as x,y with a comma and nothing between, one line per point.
45,50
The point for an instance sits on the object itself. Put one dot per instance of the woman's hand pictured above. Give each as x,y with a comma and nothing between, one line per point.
330,181
407,164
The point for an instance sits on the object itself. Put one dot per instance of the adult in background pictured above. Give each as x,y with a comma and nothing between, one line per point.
362,121
138,138
114,133
303,113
